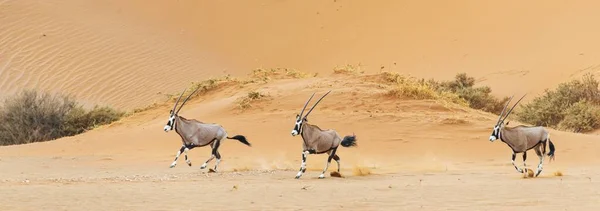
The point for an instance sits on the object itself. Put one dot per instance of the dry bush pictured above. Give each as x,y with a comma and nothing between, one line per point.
411,88
33,117
477,97
572,106
246,101
581,117
349,69
265,75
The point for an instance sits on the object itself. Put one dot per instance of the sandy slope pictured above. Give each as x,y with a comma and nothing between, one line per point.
422,154
129,53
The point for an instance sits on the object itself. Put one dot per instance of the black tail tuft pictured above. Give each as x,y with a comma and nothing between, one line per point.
349,141
241,138
552,149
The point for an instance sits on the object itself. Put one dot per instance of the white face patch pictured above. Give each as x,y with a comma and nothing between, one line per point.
494,135
169,125
297,127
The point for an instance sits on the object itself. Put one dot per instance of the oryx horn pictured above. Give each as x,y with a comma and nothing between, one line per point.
177,102
302,112
186,99
508,113
316,103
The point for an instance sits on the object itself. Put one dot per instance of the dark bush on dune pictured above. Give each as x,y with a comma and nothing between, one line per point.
572,106
33,117
477,97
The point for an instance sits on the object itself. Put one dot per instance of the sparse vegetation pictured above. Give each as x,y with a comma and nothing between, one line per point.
34,117
572,106
461,91
349,69
477,97
265,75
246,101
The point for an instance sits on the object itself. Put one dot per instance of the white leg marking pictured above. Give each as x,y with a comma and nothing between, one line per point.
206,163
187,160
324,170
513,162
176,157
217,164
303,166
540,166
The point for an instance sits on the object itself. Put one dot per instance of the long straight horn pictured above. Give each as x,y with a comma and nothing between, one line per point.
186,99
177,102
504,109
302,112
508,113
316,103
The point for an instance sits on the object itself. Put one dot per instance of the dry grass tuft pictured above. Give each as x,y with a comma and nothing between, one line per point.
266,75
253,96
406,87
349,69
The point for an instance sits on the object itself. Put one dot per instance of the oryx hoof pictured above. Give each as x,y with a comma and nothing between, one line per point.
203,166
189,164
298,175
322,176
172,165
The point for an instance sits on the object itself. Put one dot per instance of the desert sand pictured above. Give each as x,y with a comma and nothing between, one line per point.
411,154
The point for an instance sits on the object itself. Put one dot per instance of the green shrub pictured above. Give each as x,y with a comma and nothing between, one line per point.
477,97
581,117
571,106
33,117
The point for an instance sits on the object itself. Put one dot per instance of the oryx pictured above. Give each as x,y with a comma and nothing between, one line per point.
318,141
194,133
523,138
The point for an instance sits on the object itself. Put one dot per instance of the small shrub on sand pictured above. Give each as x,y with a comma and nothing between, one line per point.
572,106
461,91
349,69
246,101
266,75
34,117
411,88
477,97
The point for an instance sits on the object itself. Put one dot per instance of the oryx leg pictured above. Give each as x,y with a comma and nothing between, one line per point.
212,155
337,160
331,153
303,166
514,155
541,156
188,148
183,148
216,153
524,163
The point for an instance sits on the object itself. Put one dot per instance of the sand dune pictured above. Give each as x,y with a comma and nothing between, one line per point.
129,53
422,154
409,146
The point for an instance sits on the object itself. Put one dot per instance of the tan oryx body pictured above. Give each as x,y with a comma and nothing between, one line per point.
522,139
319,141
194,133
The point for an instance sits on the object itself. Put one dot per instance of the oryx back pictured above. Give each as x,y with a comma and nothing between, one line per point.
522,138
319,140
198,133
